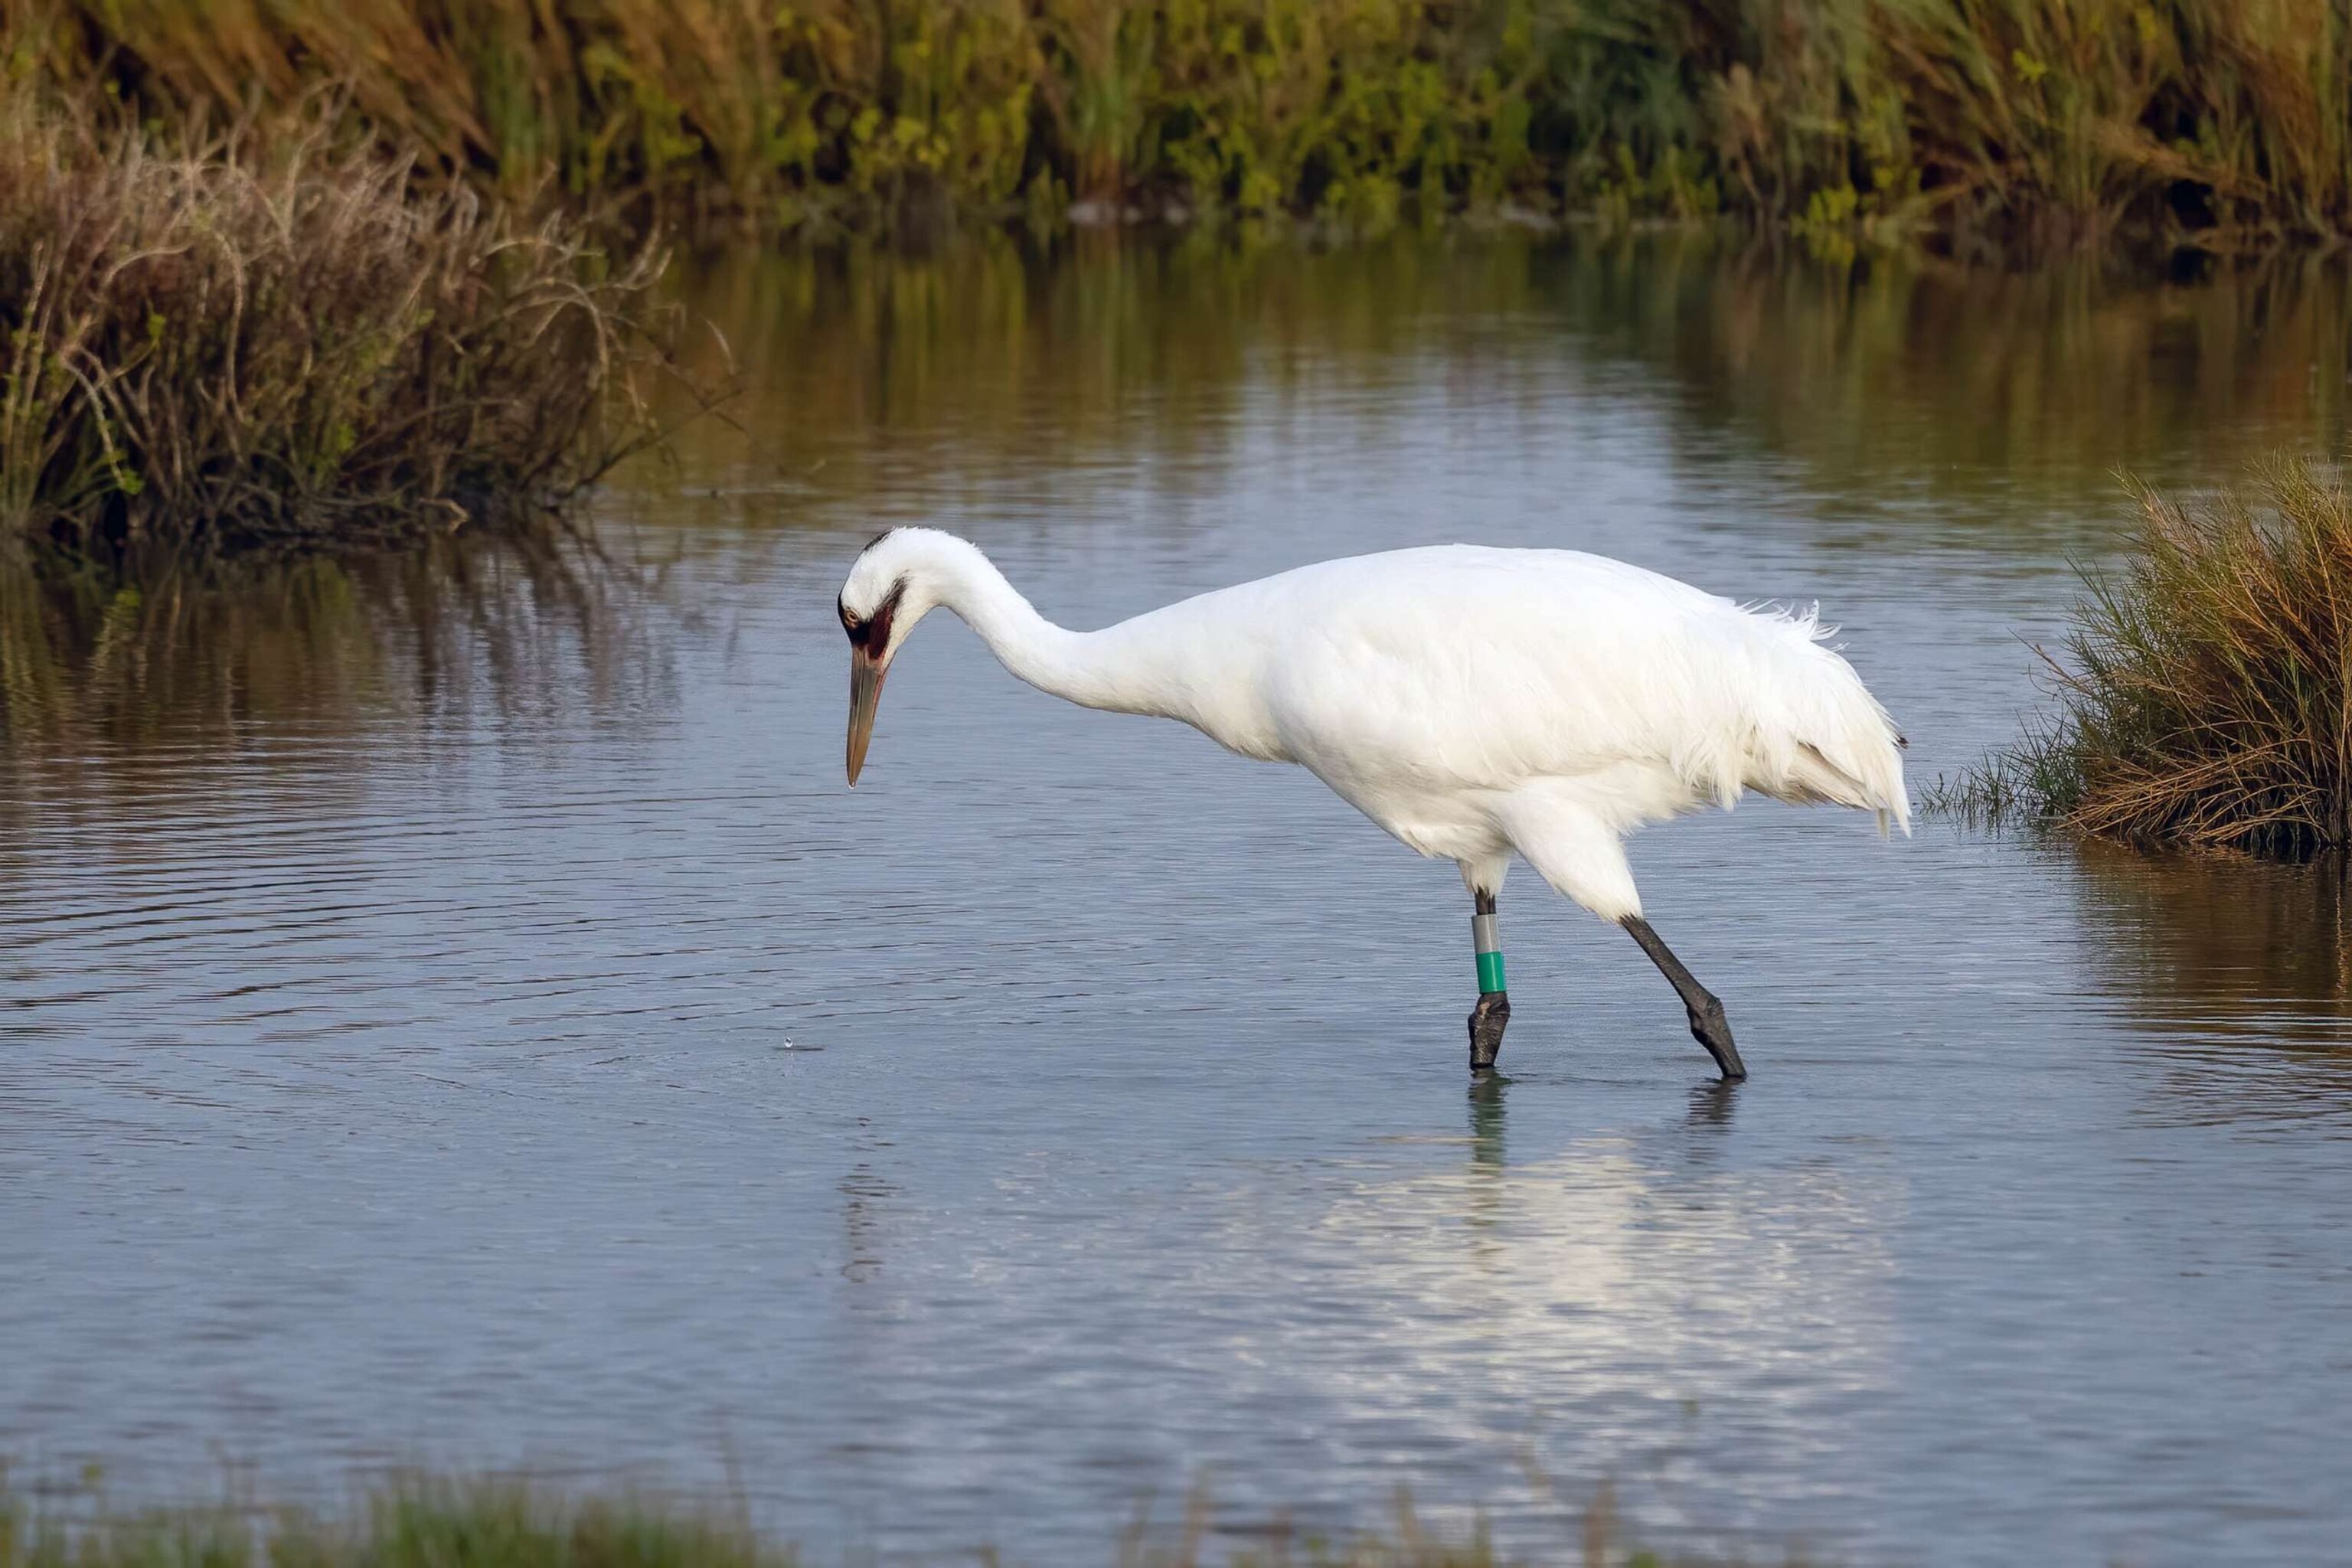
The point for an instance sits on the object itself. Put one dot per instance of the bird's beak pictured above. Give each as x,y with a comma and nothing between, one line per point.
865,673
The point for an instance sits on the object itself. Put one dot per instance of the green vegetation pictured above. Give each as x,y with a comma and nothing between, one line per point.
223,347
2046,120
2205,701
417,1525
444,1524
263,276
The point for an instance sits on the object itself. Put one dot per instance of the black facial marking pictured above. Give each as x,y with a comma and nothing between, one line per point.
873,633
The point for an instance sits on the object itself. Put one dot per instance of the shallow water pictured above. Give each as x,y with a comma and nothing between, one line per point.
455,1015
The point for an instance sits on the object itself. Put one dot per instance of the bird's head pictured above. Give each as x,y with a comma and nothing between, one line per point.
891,587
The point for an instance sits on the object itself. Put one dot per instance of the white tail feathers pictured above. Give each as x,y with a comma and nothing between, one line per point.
1819,736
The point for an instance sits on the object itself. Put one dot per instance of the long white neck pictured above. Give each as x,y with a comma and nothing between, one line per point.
1095,669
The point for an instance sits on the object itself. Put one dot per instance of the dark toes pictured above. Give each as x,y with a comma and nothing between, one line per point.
1487,1021
1710,1028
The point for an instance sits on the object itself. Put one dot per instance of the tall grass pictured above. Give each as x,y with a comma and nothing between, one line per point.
428,1523
419,1524
2227,120
240,342
2206,692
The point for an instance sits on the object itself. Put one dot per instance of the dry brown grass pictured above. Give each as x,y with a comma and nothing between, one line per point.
2207,688
238,343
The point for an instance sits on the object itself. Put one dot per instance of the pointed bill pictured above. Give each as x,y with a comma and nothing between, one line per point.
865,674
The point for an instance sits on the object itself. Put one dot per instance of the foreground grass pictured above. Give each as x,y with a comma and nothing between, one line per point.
227,345
420,1525
2206,694
485,1524
2059,120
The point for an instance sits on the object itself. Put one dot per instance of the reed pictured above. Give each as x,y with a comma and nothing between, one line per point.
442,1523
414,1524
2049,120
2206,692
240,342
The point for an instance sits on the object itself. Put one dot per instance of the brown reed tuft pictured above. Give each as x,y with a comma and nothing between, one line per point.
234,344
2206,693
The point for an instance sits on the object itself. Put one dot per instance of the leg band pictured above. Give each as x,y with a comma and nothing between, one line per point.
1488,940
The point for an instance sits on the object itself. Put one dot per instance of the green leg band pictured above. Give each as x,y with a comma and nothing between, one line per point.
1486,936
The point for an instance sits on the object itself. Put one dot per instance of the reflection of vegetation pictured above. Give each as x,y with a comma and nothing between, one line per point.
2206,697
224,347
2230,945
446,1524
2055,117
1990,393
90,656
1974,381
2220,964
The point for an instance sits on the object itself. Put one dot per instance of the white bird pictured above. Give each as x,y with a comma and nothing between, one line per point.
1472,701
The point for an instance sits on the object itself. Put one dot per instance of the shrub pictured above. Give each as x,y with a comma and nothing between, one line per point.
2206,698
218,347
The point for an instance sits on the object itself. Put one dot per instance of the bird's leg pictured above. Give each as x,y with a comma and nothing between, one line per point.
1708,1027
1494,1009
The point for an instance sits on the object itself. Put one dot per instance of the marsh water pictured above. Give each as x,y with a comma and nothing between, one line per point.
455,1016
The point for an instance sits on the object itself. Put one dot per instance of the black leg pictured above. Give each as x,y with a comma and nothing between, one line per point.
1708,1027
1494,1009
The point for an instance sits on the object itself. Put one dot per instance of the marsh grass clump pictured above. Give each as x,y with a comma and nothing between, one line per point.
443,1523
2206,689
232,344
411,1524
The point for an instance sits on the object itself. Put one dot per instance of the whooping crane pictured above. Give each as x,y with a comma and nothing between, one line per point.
1470,701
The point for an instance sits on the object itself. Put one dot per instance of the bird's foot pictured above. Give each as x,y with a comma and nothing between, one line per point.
1487,1021
1711,1028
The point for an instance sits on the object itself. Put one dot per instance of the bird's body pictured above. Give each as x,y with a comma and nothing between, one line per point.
1472,701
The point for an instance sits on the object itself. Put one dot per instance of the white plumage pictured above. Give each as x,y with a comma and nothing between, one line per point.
1472,701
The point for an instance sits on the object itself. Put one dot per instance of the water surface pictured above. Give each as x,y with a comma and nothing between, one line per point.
454,1012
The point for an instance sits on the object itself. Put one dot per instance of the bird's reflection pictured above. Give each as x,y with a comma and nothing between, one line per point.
1707,1129
1487,1120
866,1196
1603,1262
1488,1180
1711,1103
